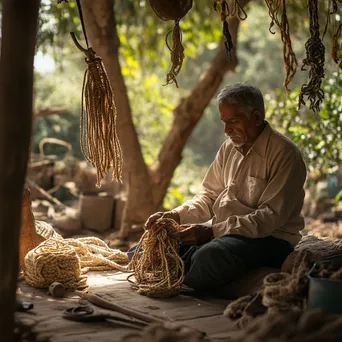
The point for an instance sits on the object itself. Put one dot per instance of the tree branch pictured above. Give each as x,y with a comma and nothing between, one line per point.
50,111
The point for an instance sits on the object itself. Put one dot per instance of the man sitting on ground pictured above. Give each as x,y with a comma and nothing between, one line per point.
253,193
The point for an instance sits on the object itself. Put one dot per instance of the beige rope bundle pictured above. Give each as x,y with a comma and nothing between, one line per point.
280,292
95,255
67,260
159,270
99,140
53,260
295,326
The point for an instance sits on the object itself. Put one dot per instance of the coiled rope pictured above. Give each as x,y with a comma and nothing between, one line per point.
68,260
158,271
295,326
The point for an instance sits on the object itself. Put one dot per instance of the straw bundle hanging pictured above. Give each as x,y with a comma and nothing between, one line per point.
290,59
173,10
314,60
226,12
99,140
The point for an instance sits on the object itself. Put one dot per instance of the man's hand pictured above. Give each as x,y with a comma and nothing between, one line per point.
194,234
167,214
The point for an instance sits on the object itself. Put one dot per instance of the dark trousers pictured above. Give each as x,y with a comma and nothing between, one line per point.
222,260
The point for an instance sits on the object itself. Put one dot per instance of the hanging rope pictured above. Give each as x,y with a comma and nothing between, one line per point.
173,10
177,53
290,59
99,140
225,13
314,61
159,270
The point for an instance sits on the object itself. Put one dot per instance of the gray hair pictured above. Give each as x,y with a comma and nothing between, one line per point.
247,96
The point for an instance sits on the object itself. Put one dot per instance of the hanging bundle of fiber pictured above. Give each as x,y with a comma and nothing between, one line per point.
314,61
99,140
173,10
277,12
225,12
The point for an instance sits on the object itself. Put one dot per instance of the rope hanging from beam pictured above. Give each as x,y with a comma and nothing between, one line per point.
99,139
173,10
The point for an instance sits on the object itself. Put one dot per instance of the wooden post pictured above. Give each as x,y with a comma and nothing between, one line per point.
19,30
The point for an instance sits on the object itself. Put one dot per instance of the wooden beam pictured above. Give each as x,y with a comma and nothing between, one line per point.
19,30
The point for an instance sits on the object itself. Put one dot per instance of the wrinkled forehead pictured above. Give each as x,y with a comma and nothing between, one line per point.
230,111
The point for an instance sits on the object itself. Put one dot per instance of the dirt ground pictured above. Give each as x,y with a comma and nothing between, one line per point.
201,313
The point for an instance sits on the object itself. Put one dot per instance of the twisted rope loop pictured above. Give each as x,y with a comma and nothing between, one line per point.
158,271
68,260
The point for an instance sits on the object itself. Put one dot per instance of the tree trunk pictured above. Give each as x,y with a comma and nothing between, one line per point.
101,27
19,28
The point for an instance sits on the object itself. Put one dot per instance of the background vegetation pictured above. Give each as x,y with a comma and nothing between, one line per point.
145,61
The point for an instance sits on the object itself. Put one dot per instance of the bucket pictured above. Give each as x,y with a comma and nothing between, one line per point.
325,294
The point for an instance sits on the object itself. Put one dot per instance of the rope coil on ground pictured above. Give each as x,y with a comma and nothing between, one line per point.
159,270
295,326
53,260
67,260
280,292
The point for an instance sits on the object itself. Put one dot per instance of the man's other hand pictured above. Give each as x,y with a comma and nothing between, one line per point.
167,214
195,234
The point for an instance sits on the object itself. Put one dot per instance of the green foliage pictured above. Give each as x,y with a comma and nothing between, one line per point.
58,89
318,136
186,182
